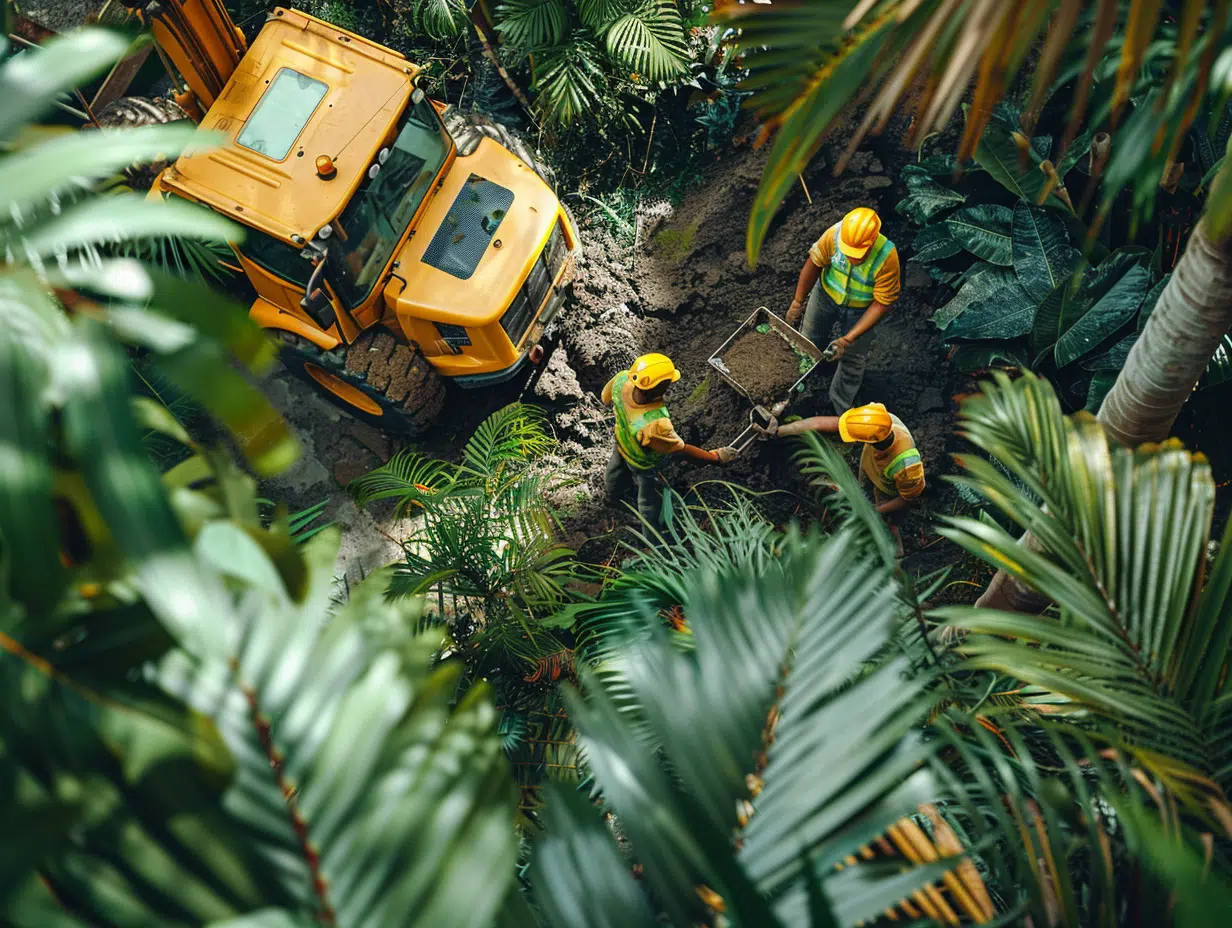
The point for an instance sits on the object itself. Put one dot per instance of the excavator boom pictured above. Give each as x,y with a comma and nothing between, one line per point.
200,39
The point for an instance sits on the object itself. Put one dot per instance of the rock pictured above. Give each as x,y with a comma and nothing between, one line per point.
916,277
348,469
875,182
930,400
376,442
559,382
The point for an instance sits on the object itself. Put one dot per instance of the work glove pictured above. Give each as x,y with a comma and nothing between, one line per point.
769,430
726,454
837,348
794,312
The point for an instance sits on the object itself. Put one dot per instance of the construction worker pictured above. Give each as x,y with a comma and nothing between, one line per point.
644,434
850,276
890,459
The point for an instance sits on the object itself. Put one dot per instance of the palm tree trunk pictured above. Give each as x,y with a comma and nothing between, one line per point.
1183,331
1192,315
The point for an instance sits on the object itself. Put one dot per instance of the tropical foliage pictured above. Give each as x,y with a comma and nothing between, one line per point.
193,732
486,550
806,62
822,767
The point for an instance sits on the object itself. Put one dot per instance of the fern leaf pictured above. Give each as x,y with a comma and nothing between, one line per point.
441,19
413,479
570,81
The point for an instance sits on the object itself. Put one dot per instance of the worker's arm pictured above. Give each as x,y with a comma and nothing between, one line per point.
896,504
819,257
804,285
700,454
606,396
814,424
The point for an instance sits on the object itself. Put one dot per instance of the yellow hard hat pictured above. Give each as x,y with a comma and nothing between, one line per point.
865,423
859,230
652,369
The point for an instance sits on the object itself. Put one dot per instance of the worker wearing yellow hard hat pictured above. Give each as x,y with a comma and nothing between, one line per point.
851,277
644,434
890,459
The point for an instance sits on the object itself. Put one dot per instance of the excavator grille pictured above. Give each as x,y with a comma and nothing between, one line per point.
521,313
459,244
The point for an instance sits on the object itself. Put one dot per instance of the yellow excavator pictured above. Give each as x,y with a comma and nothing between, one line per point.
392,243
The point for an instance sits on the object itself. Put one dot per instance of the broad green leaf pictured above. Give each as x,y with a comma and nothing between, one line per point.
1055,314
1042,255
1105,317
230,550
1114,358
1077,150
32,79
925,197
984,231
32,175
1016,171
973,357
985,281
187,301
1151,298
933,243
1006,314
202,372
1100,384
32,317
1219,370
102,219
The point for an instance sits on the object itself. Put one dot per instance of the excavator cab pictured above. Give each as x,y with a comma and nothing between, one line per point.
385,251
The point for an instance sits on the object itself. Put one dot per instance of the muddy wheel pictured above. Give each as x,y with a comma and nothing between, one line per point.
132,112
378,380
469,128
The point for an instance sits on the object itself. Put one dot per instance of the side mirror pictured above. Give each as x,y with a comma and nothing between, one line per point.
319,307
316,302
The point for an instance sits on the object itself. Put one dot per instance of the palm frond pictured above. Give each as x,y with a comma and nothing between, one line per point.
513,434
826,470
649,39
410,477
773,693
1122,540
531,24
599,13
570,80
440,19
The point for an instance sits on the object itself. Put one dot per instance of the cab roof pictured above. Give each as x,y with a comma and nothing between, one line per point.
304,89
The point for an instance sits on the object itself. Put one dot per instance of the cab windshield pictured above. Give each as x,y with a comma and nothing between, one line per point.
370,227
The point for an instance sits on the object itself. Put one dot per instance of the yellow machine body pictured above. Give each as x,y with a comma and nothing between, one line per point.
468,259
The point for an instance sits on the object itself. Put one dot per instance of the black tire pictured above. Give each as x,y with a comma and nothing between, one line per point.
131,113
395,378
468,128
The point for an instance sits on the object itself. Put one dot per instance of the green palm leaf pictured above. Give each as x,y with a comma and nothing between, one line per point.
649,40
570,79
530,24
1122,537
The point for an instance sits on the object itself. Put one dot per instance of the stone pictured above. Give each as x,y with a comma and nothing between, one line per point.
559,382
930,400
348,469
916,276
375,441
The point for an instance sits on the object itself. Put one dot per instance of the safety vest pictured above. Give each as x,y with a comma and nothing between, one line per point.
901,462
852,284
627,428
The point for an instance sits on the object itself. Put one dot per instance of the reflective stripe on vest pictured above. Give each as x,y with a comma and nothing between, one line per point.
632,450
852,284
901,462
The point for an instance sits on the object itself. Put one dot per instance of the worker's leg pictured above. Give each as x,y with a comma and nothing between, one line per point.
617,480
649,496
819,316
850,374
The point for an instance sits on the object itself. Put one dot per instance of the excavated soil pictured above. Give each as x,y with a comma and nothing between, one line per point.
764,364
678,282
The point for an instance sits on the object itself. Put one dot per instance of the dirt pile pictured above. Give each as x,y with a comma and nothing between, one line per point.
764,364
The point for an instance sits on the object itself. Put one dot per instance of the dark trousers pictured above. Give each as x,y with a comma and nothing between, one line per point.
621,479
819,318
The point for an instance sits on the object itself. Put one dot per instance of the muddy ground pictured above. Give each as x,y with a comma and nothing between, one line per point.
676,282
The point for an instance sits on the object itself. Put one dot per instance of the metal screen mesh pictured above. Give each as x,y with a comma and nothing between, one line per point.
472,221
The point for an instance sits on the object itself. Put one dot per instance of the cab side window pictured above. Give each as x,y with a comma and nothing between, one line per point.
276,257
